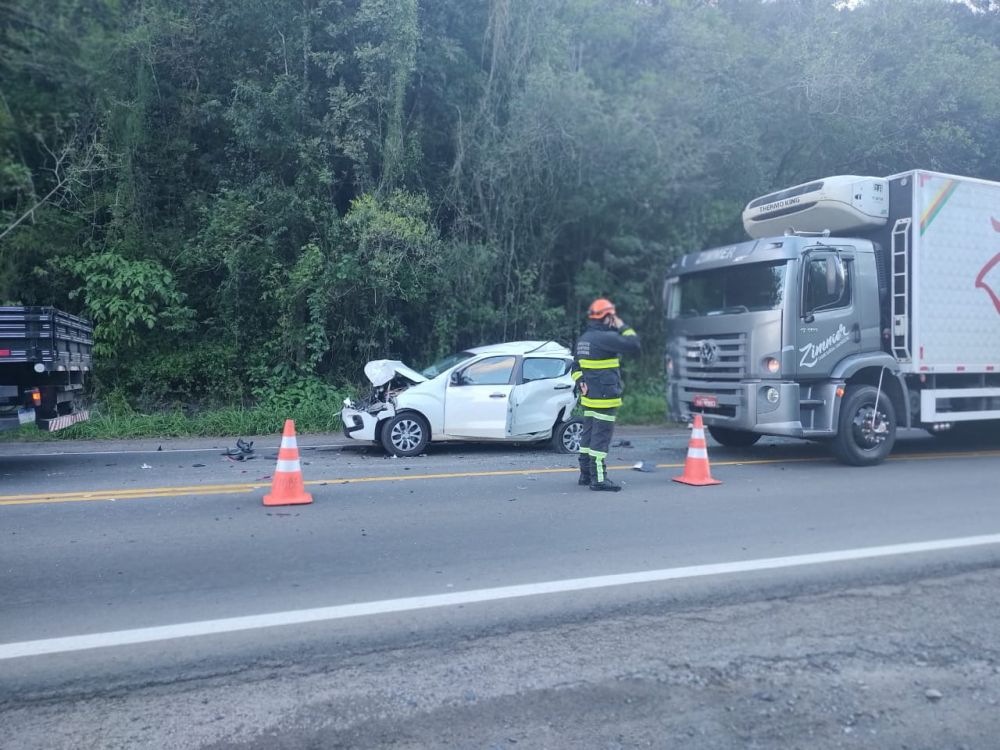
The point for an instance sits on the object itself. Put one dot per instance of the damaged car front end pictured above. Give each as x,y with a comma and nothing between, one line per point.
389,378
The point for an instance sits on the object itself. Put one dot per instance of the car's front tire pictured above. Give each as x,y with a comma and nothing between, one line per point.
406,434
566,436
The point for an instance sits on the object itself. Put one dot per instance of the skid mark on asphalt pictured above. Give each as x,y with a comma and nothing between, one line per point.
48,498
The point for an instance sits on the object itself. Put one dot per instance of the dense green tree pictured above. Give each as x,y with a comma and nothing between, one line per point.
246,194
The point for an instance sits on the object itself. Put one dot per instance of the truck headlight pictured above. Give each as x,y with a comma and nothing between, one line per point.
772,395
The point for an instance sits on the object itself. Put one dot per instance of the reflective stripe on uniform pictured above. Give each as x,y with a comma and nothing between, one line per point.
600,403
586,451
600,364
629,332
598,415
576,374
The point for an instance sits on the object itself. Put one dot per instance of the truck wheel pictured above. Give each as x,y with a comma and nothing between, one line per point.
865,435
406,434
566,437
733,438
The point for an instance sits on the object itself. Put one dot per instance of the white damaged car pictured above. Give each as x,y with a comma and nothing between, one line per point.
516,392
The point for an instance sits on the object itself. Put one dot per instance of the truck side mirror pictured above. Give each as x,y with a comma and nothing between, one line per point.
835,276
455,378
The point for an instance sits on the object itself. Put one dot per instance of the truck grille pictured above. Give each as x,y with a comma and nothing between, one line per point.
715,358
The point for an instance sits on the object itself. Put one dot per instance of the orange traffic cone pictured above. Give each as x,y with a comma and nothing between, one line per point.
696,469
287,487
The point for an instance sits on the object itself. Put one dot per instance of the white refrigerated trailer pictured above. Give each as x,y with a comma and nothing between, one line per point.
863,304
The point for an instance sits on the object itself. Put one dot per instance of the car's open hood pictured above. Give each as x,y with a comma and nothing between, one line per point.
381,371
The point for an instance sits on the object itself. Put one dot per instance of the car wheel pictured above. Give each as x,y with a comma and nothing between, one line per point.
566,438
733,438
406,434
865,434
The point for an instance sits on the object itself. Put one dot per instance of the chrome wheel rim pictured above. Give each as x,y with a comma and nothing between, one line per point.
571,437
870,427
406,435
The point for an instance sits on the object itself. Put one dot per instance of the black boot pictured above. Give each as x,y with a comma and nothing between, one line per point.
585,470
606,486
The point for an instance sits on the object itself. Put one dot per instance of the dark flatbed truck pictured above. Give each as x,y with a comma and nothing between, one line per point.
45,357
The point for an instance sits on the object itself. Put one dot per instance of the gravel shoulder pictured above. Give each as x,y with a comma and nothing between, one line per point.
912,665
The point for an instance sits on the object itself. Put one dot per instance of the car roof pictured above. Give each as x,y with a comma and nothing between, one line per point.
541,348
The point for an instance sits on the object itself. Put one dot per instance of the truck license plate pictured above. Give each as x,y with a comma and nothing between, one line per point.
706,402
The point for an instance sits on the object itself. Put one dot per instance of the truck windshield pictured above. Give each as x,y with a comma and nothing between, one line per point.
726,291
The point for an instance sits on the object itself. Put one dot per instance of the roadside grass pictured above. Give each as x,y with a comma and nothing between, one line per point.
222,422
644,405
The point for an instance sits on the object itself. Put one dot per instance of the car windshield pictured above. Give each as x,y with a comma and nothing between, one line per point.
445,364
725,291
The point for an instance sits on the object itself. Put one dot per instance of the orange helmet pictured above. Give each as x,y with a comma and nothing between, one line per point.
600,308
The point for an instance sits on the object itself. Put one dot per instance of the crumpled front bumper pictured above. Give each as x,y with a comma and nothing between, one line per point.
361,425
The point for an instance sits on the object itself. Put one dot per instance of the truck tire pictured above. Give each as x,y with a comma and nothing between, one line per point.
566,436
865,437
733,438
406,434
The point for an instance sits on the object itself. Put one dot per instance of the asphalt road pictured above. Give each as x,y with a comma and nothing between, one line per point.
476,597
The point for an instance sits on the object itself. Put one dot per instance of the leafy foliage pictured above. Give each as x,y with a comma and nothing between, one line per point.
251,199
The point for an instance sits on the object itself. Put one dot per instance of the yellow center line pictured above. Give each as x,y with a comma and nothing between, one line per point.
231,489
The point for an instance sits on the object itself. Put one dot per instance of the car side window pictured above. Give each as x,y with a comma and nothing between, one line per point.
489,371
543,368
821,292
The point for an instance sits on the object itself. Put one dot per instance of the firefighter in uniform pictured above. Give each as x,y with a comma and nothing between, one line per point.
596,370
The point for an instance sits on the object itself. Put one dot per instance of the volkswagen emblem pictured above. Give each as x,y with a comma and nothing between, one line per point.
707,352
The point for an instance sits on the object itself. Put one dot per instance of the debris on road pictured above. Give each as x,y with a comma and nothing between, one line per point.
242,452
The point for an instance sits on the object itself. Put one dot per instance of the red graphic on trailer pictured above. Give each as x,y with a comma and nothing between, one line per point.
992,287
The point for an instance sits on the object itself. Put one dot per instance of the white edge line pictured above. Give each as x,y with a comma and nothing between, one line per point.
408,604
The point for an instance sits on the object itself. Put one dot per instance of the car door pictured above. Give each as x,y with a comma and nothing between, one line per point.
477,400
544,389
